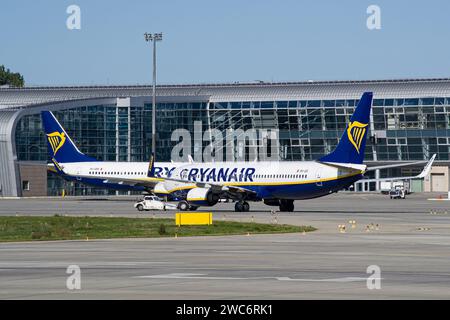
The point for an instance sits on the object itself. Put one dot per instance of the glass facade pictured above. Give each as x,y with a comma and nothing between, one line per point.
108,133
401,130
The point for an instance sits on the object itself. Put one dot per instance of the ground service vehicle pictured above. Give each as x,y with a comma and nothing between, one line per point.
397,193
153,203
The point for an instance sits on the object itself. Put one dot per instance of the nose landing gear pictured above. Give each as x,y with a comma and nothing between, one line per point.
185,206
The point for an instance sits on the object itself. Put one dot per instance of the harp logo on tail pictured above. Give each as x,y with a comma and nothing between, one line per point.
56,140
356,132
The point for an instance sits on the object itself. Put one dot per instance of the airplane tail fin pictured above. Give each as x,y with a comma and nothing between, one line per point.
350,148
60,147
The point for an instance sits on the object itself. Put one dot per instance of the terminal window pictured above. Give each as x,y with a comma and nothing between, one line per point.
25,185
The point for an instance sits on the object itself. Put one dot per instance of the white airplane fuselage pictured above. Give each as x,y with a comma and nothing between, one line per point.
277,183
269,180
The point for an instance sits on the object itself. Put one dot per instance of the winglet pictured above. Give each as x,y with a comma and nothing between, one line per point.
151,167
426,170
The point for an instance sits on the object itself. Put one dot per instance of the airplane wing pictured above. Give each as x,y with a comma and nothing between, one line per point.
396,165
146,182
426,171
215,187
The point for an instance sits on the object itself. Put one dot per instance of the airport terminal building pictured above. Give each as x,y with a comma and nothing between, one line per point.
410,122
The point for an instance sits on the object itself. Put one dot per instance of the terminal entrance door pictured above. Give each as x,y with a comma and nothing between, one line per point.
438,182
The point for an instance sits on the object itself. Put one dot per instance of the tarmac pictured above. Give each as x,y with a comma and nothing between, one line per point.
408,240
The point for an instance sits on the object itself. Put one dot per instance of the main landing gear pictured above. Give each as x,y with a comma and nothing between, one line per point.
241,206
286,205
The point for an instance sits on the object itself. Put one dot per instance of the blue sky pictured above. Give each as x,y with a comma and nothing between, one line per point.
224,41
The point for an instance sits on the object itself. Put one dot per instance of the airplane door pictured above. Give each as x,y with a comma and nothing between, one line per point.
78,172
319,177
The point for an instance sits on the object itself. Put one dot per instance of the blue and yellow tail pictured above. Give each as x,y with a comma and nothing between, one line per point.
353,142
60,147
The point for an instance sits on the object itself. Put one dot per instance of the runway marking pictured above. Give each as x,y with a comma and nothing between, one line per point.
64,264
201,276
343,279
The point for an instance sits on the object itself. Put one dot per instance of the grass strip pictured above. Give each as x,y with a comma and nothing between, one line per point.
56,227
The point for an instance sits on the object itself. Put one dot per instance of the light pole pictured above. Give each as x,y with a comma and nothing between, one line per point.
154,38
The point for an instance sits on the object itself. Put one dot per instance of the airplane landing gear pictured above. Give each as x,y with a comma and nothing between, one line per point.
241,206
286,205
183,205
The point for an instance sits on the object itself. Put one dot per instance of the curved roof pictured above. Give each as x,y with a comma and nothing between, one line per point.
16,102
308,90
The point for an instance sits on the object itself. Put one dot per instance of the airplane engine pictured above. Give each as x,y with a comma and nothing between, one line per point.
160,189
272,202
202,196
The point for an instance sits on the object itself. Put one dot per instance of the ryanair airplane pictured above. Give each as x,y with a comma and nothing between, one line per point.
204,184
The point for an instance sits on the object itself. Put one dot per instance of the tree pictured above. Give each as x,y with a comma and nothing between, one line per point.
10,78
